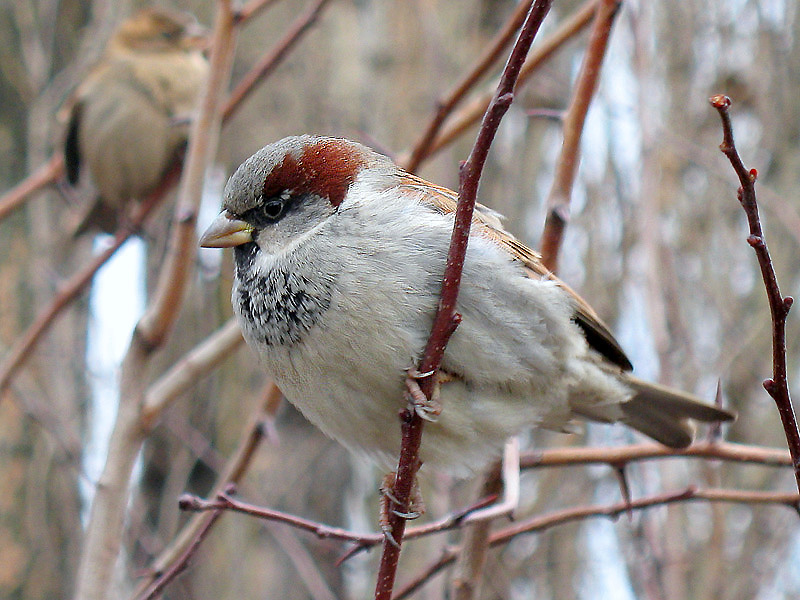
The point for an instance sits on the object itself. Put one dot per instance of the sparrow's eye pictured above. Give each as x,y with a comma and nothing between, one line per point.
273,209
267,212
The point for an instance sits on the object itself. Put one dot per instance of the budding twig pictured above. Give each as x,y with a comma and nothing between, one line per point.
778,385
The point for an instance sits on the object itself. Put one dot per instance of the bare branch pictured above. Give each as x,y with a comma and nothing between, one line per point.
550,520
446,319
567,165
274,57
472,112
778,385
185,373
45,175
446,105
622,455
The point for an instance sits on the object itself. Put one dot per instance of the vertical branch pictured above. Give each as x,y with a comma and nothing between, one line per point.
104,531
447,319
585,87
778,385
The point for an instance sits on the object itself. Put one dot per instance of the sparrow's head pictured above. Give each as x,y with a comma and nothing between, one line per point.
158,29
286,189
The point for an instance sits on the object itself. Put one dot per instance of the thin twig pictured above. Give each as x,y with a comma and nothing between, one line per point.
622,455
224,501
778,385
446,104
446,319
70,290
472,112
274,57
550,520
43,176
567,165
259,428
179,566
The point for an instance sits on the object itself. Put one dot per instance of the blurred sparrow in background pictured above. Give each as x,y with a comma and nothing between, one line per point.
130,117
339,257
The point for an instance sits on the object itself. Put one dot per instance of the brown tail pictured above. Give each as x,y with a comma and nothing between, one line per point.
664,414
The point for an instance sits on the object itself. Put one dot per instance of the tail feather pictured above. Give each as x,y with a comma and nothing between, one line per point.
664,414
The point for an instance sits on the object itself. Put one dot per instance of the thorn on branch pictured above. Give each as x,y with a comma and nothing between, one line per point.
625,489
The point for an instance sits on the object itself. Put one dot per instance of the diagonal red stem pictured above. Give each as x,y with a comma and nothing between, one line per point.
446,319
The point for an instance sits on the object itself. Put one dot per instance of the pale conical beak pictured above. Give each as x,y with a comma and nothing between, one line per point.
226,231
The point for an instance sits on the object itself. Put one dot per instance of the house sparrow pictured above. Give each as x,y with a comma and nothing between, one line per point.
130,117
339,256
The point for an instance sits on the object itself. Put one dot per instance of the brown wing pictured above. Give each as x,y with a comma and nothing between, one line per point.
487,222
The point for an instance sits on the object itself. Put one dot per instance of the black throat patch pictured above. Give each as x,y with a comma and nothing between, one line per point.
280,306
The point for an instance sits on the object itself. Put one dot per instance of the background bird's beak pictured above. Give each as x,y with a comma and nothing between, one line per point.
226,231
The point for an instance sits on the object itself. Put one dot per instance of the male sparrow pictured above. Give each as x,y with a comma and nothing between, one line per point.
339,256
129,118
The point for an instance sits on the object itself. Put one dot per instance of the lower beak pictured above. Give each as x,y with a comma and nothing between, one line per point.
226,231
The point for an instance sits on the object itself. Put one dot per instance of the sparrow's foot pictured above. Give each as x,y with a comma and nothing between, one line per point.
391,505
427,408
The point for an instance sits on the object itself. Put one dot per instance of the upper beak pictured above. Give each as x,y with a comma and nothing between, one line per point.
226,231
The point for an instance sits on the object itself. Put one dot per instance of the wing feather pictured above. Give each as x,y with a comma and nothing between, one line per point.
488,223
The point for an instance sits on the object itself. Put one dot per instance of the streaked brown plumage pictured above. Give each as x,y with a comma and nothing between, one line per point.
130,116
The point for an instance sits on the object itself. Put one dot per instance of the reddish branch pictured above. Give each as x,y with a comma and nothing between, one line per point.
778,385
613,511
532,525
446,319
568,160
